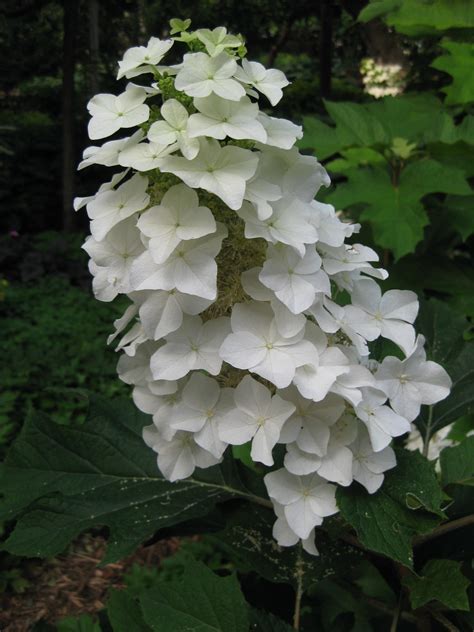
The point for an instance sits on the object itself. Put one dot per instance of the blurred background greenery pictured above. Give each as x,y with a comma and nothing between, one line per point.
385,90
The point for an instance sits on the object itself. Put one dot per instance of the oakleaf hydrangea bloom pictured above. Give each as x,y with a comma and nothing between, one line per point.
252,310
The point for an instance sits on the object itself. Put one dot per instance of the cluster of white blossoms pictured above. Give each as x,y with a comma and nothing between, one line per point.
244,350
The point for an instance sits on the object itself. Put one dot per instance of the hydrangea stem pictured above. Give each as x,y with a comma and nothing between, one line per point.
299,589
427,437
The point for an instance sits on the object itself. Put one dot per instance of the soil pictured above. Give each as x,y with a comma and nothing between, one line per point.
73,583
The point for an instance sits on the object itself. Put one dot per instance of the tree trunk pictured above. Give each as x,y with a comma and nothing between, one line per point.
325,47
93,47
71,14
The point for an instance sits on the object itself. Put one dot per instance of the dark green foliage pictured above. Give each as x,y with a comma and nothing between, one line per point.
53,338
124,613
457,463
445,333
200,602
458,61
441,580
248,541
409,17
83,478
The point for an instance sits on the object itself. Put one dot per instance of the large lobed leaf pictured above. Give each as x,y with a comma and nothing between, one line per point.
394,208
58,481
201,602
441,580
406,16
458,61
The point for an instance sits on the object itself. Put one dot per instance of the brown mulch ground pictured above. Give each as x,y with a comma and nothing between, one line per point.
72,584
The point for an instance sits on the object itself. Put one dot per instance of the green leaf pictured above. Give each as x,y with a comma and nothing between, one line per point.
442,581
457,463
444,330
354,157
335,600
387,520
355,125
248,540
61,480
266,622
458,62
395,210
437,273
419,118
84,623
377,9
407,16
319,137
201,602
177,25
124,613
460,214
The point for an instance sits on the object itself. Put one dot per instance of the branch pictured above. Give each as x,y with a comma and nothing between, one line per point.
444,528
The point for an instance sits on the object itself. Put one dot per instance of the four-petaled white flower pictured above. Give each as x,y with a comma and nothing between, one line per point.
222,171
178,457
218,118
412,382
268,82
201,75
178,218
391,315
381,421
116,253
285,536
193,346
110,113
173,129
108,154
306,499
218,40
368,466
191,268
257,345
112,206
294,279
162,311
149,55
202,408
258,416
280,132
288,224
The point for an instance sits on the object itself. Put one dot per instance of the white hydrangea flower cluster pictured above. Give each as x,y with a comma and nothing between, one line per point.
251,350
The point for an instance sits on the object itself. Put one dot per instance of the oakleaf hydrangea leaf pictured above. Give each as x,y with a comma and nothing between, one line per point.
124,613
201,602
405,15
394,209
62,480
457,463
458,62
441,580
